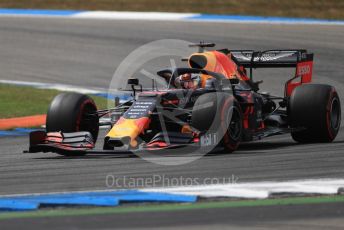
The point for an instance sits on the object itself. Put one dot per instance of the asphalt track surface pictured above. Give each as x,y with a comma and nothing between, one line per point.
87,52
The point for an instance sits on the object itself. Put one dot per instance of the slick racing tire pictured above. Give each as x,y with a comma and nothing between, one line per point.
220,113
315,109
231,125
73,112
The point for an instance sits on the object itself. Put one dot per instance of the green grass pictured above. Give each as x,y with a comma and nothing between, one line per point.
18,101
331,9
171,207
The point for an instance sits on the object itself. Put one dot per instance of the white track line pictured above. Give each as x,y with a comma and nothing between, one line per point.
126,15
258,190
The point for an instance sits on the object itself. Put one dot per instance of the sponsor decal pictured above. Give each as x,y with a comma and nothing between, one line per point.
209,139
303,70
263,57
140,109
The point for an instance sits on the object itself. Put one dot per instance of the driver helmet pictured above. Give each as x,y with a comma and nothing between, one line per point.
189,81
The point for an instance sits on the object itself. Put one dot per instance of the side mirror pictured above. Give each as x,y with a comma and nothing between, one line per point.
256,84
133,81
234,81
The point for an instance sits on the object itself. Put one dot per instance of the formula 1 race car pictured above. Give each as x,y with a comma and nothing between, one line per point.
213,103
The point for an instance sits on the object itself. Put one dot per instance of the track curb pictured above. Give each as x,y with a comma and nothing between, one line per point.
22,122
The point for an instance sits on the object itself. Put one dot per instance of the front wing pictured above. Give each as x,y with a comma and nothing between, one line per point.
81,143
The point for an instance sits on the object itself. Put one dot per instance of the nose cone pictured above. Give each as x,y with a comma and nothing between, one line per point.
125,131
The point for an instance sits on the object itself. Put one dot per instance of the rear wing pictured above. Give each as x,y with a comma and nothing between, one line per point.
300,59
270,58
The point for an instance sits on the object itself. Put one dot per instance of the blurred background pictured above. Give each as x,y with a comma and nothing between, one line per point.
327,9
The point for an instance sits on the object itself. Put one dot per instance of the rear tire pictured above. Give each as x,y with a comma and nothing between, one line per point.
73,112
316,108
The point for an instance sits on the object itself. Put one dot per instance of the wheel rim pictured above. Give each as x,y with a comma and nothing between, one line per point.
234,126
89,120
335,113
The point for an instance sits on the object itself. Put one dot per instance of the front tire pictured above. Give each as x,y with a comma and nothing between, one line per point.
220,113
316,108
73,112
231,116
